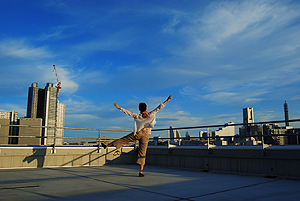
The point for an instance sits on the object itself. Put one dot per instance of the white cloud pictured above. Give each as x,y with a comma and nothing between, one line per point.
295,97
222,119
238,29
178,17
14,107
20,49
41,74
66,77
96,77
266,115
81,112
242,49
223,97
180,119
186,72
77,105
252,100
243,20
113,42
81,117
55,33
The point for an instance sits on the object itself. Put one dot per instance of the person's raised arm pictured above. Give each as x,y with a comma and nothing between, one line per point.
134,115
117,106
169,98
161,106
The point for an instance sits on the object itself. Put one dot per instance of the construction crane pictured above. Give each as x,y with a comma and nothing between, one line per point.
58,82
56,102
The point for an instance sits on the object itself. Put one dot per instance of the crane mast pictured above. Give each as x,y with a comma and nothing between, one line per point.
58,88
58,82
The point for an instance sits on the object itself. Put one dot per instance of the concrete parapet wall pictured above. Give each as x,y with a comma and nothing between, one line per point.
275,161
42,156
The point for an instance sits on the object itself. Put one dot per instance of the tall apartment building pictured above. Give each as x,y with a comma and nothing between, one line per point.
248,115
43,103
248,119
286,114
175,136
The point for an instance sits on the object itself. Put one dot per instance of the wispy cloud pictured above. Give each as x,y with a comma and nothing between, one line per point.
55,33
21,49
174,23
243,20
13,107
178,119
108,44
225,97
67,78
241,47
30,72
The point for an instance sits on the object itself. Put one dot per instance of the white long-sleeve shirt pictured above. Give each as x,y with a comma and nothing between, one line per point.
144,123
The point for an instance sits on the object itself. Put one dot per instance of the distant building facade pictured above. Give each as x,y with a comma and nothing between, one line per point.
248,115
203,134
43,109
175,136
286,114
225,131
44,104
281,135
249,127
8,118
30,131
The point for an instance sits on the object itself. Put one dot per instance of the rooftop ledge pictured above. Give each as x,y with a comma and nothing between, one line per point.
277,161
232,147
280,147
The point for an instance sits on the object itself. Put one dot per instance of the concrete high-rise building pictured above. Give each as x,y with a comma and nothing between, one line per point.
286,114
203,134
60,122
248,116
248,119
175,136
43,103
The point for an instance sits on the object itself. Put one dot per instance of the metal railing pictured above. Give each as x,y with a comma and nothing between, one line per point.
262,135
99,139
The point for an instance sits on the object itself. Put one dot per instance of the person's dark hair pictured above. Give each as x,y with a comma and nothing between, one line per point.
142,107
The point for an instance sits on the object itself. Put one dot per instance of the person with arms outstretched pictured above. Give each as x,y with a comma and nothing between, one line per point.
143,123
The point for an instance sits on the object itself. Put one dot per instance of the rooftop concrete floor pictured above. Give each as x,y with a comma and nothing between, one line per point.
122,183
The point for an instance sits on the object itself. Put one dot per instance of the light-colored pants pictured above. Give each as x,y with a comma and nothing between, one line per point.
143,139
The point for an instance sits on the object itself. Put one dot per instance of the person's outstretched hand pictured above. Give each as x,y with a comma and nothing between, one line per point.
169,98
117,106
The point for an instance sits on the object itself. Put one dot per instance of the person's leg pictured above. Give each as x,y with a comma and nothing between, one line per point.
122,141
143,145
141,174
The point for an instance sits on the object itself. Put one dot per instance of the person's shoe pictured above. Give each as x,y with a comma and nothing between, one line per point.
141,175
103,145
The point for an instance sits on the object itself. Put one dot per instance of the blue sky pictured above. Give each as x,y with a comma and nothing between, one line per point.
214,57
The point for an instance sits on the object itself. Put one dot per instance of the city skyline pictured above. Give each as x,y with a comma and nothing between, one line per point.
214,57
